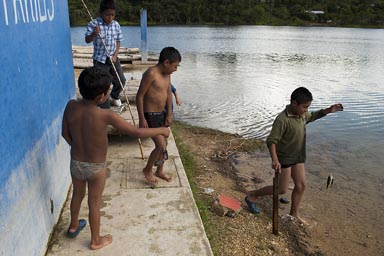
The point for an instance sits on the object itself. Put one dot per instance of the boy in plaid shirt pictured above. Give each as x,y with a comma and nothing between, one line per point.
111,34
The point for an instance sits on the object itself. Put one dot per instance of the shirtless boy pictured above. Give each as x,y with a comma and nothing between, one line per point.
154,93
85,129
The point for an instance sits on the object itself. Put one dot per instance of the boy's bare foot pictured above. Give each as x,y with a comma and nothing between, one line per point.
301,221
163,176
104,241
150,178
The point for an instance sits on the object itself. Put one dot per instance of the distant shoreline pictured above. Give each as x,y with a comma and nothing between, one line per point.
130,24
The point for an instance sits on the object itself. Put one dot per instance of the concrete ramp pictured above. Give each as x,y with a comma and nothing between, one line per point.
143,220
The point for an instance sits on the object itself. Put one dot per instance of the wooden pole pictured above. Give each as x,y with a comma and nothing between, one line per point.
118,77
275,218
144,47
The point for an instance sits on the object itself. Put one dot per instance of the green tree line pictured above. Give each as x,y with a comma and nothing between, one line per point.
356,13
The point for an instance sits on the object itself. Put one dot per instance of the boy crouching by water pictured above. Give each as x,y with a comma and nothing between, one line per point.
286,144
154,93
85,129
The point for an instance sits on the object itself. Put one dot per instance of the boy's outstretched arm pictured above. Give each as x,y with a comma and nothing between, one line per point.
334,108
126,128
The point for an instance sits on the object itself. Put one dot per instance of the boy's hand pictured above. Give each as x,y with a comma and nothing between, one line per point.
168,121
143,123
276,166
334,108
167,132
178,101
96,29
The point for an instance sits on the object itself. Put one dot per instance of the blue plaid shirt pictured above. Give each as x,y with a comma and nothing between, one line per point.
110,33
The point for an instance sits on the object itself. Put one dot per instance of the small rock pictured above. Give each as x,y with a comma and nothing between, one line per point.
219,209
208,191
257,180
235,161
274,248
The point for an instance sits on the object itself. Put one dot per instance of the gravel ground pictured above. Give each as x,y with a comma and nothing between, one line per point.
221,162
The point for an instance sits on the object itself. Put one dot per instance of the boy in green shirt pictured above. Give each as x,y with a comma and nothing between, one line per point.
286,144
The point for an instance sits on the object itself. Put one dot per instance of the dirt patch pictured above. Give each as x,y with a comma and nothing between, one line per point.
230,165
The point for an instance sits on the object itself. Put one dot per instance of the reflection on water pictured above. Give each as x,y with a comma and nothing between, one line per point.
237,79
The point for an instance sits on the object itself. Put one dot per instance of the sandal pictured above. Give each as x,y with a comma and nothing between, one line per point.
252,207
82,224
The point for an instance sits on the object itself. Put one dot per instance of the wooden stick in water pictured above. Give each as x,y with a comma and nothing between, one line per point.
275,217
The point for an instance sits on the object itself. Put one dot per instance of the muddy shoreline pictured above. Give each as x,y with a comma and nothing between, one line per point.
220,162
230,165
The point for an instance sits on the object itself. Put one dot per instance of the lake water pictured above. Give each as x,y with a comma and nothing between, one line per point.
237,79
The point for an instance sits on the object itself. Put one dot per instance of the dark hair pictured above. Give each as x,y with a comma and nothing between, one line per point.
169,53
93,82
301,95
107,5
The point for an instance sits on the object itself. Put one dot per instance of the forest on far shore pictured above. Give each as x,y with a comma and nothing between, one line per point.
346,13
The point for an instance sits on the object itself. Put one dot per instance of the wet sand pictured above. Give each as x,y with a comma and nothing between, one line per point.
348,215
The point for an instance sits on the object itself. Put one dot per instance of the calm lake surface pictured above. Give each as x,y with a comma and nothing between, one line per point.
237,79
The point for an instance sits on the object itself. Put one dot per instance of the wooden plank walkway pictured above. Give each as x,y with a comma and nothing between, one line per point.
82,57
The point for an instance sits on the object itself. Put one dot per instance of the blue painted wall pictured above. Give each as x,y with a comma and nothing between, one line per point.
36,81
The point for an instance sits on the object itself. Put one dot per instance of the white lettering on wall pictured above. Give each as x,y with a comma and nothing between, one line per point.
26,11
43,16
20,12
51,12
33,10
5,12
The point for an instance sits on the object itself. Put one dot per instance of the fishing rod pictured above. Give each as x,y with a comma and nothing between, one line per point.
118,77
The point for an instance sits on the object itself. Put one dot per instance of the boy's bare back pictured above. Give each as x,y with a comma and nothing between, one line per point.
154,89
85,129
86,124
